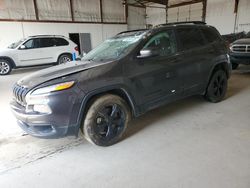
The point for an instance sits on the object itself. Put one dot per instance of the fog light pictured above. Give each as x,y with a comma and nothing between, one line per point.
42,108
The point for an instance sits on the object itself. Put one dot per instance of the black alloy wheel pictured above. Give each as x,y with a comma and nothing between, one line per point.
217,87
106,120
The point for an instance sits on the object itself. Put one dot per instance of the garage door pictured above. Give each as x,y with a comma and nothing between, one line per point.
191,12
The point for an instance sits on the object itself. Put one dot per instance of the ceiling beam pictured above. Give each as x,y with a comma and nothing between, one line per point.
185,3
204,10
164,2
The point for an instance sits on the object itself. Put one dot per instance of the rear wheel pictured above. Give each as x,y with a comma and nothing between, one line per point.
5,67
64,59
217,87
106,120
235,66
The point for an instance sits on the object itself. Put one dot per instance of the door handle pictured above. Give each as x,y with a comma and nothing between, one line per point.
177,59
211,51
169,75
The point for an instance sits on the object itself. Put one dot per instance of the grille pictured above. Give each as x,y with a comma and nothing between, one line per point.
19,93
241,48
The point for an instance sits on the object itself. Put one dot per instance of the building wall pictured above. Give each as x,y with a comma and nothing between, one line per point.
13,31
243,18
185,13
220,13
136,17
156,16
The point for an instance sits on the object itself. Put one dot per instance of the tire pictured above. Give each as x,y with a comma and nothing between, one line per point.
217,87
106,120
235,66
5,67
64,58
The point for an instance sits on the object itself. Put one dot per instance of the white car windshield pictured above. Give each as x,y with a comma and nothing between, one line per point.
114,48
16,44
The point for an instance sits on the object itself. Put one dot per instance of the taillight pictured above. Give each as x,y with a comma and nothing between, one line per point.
76,48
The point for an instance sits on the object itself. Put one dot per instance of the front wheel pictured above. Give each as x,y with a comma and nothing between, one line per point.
217,87
106,120
5,67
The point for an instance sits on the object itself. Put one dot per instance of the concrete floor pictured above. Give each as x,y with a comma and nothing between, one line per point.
187,144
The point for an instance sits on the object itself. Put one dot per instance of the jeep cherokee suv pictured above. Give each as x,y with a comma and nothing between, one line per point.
124,77
36,50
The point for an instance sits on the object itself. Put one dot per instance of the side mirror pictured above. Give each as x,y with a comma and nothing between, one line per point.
148,52
84,53
22,47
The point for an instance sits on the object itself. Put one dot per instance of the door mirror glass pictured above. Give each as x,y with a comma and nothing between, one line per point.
22,47
148,52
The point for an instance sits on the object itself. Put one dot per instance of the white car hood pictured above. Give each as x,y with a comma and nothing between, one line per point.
6,51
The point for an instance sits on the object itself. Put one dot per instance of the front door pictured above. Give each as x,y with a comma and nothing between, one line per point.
30,53
155,79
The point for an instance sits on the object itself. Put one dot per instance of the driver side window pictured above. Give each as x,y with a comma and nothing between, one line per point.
29,44
164,42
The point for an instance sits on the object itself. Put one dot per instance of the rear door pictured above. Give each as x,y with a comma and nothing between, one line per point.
193,52
48,50
60,46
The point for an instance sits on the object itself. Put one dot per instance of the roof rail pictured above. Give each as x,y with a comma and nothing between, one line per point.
177,23
130,31
46,35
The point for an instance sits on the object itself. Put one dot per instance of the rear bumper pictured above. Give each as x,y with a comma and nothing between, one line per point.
63,119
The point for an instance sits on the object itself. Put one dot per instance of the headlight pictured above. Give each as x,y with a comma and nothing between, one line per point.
231,47
56,87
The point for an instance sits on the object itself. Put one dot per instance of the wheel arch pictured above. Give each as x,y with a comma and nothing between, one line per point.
89,98
218,66
64,53
13,64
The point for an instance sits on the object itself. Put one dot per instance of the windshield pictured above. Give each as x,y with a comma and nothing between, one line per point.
114,48
16,44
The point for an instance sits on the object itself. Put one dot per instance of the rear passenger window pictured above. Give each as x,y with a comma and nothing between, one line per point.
210,35
46,42
61,42
190,38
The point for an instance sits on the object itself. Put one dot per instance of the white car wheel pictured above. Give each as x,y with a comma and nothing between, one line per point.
64,59
5,67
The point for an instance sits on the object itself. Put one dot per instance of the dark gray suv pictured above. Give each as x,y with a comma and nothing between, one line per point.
124,77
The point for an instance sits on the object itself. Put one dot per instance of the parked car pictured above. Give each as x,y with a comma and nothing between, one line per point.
230,38
36,50
240,52
126,76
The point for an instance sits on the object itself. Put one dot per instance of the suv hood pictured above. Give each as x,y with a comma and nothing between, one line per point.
242,41
54,72
5,51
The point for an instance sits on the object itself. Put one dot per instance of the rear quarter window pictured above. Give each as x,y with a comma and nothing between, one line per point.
210,34
61,42
46,42
190,38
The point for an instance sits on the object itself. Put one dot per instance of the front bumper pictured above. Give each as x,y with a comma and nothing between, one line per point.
240,58
61,121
